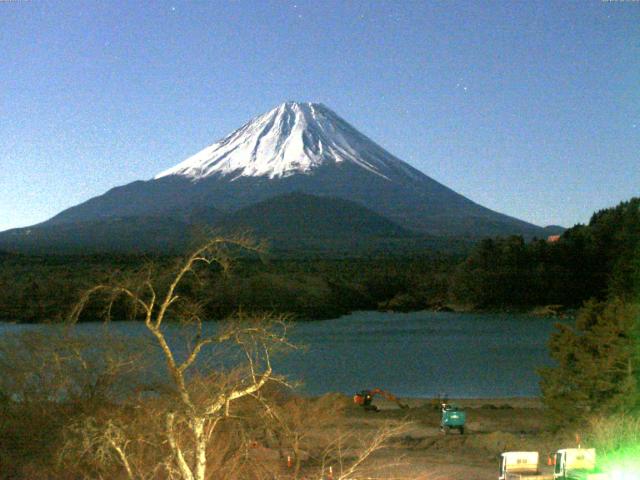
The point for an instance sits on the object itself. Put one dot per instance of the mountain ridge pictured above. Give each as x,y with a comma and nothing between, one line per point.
293,222
298,147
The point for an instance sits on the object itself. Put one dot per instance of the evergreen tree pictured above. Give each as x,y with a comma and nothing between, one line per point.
598,363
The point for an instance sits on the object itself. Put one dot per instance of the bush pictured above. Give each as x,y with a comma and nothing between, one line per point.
617,440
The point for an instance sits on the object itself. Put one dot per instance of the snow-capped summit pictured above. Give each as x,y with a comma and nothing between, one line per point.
296,148
292,138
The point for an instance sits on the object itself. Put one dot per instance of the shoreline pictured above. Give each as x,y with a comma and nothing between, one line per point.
476,403
541,311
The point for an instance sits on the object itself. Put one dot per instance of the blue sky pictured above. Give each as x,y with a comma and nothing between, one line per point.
529,108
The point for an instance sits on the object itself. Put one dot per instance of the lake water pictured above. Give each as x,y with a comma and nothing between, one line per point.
419,354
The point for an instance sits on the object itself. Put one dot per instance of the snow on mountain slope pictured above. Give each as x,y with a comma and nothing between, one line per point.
304,148
292,138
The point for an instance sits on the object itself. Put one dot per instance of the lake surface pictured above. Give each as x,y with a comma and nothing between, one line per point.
419,354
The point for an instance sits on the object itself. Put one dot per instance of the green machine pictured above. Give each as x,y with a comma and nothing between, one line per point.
453,417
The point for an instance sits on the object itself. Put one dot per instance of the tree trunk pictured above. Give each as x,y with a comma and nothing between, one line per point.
201,447
184,468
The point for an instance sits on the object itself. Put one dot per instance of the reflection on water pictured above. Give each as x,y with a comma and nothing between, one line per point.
418,354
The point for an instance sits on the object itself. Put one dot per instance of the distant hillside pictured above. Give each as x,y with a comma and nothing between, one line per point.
296,224
303,215
554,230
126,234
587,261
308,223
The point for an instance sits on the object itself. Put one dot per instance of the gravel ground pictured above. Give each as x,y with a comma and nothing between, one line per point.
423,452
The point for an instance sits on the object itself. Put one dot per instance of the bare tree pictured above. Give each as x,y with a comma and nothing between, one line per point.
305,427
203,421
50,376
199,401
42,366
350,453
317,442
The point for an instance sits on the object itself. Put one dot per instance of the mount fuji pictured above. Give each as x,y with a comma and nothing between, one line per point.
302,148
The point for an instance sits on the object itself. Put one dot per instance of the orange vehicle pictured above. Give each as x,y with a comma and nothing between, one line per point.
365,397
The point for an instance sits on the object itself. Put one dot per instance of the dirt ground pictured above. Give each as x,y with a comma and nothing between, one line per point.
424,452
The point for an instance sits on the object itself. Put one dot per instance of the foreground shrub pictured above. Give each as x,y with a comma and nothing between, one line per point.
617,440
